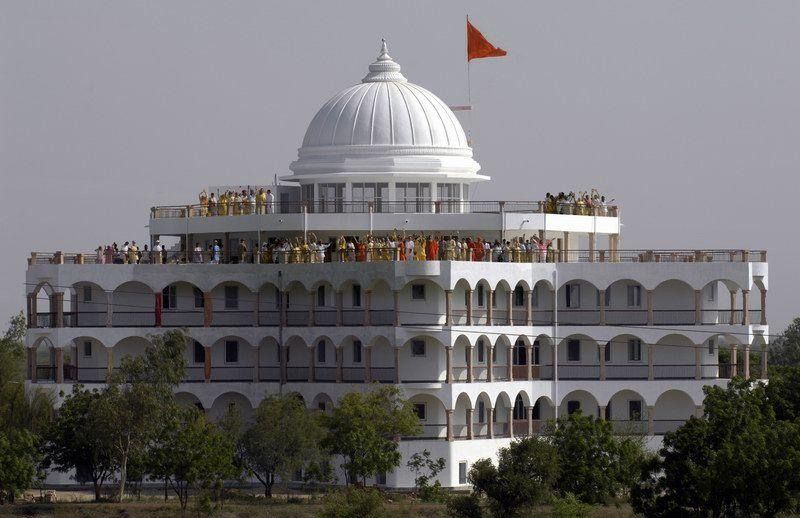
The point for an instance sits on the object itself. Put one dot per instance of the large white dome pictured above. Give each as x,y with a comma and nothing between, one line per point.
384,125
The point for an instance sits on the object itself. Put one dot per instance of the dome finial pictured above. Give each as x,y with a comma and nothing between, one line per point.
384,68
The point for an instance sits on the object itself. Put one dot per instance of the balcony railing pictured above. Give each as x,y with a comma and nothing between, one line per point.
378,254
416,206
231,373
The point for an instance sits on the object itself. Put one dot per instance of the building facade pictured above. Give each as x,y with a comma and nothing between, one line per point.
487,350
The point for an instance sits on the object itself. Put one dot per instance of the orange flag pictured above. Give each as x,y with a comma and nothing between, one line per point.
479,47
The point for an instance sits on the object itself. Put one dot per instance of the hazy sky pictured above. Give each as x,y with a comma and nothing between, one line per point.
688,113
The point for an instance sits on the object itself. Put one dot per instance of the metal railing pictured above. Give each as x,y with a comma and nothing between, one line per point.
379,253
631,372
578,372
231,373
412,206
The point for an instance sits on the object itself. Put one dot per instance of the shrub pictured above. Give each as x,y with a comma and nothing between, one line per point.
570,507
353,503
465,506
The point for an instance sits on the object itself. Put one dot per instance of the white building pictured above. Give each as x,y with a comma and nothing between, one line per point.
480,347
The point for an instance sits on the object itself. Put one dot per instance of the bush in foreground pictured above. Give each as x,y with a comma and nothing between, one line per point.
353,503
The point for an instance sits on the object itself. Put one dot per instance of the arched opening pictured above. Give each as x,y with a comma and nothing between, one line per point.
579,401
627,412
269,305
502,357
520,413
432,416
89,359
482,352
422,360
297,307
673,303
578,358
231,402
322,403
188,400
354,355
423,303
233,305
674,358
461,416
522,349
626,357
542,358
481,416
381,304
461,292
672,409
182,305
324,360
297,359
543,412
578,303
500,304
461,351
625,303
232,359
542,303
482,298
42,306
383,369
353,299
502,416
89,306
45,360
269,360
134,305
519,303
323,298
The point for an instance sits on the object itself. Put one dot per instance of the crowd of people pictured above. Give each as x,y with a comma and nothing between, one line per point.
233,203
582,203
369,248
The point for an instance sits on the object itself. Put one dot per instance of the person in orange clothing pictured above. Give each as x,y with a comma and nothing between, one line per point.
361,251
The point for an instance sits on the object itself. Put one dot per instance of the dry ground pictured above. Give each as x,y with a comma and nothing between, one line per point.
78,504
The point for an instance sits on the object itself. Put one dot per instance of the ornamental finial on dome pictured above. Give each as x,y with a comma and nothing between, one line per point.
384,68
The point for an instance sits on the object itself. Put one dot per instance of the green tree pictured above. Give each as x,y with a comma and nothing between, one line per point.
80,438
19,459
785,350
284,437
23,415
525,474
190,453
739,460
364,429
595,465
141,398
427,468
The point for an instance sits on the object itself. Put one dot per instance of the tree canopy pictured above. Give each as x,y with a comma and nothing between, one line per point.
364,430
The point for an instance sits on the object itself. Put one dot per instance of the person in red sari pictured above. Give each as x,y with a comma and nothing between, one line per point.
361,251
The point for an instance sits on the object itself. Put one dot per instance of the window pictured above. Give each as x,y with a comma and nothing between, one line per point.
535,297
634,350
413,197
169,297
199,301
321,296
711,345
231,297
634,296
573,350
321,351
356,351
519,409
491,294
87,348
356,295
481,302
519,296
481,353
466,298
417,292
417,348
537,411
573,295
308,194
481,412
199,352
607,352
573,406
635,410
520,353
231,351
87,293
364,193
321,406
712,292
381,478
608,411
419,409
330,197
448,194
278,350
462,472
494,354
536,352
277,298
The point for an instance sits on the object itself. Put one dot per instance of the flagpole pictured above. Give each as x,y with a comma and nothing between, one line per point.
469,88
